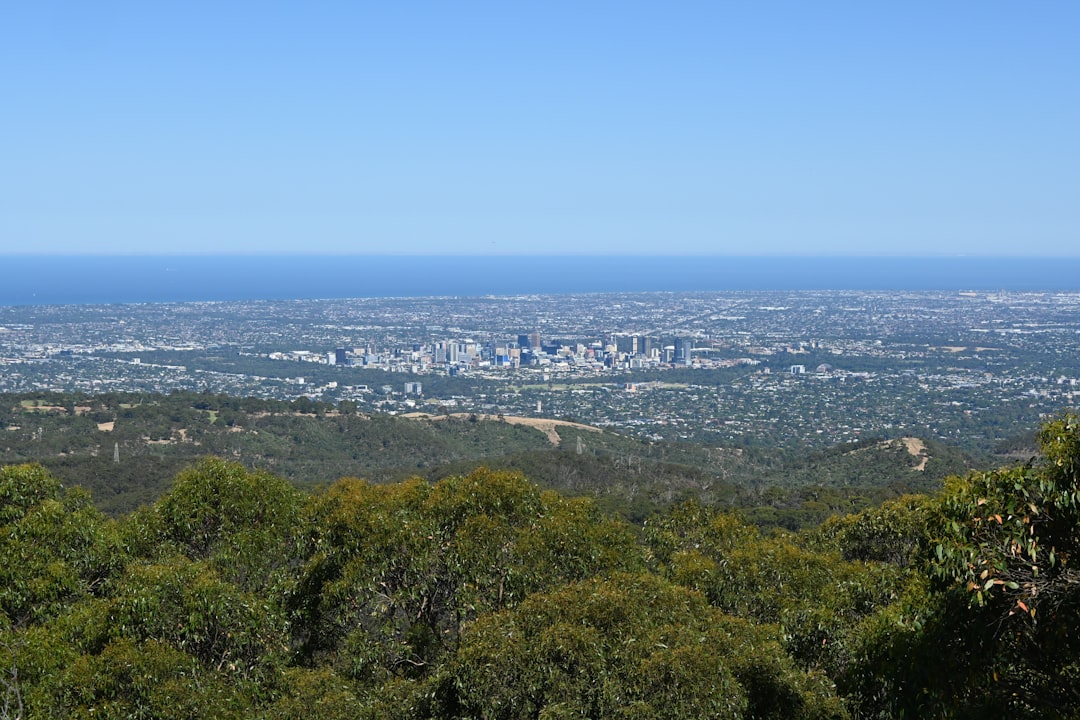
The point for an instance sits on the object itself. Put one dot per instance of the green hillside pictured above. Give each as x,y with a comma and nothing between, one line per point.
126,449
235,595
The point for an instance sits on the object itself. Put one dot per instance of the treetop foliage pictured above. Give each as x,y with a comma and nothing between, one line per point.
483,596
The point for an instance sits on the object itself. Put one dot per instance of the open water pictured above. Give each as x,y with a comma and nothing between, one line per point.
53,280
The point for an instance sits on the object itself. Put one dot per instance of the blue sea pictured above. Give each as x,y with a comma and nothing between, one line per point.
51,280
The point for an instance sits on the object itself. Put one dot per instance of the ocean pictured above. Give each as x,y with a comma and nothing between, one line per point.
54,280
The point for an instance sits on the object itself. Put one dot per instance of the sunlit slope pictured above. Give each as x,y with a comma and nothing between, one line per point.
126,449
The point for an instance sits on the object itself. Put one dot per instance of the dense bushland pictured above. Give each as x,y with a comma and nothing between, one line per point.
127,449
480,595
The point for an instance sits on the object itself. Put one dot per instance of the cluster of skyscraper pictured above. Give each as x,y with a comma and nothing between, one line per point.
630,351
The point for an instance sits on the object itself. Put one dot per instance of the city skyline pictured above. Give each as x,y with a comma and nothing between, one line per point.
810,368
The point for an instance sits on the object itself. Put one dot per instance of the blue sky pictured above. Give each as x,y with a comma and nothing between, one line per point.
719,128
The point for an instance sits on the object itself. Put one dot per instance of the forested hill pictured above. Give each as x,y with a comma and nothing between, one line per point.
126,449
237,596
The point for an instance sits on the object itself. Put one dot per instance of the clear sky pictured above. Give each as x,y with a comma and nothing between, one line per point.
761,128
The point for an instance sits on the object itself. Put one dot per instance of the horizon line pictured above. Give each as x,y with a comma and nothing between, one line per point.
509,256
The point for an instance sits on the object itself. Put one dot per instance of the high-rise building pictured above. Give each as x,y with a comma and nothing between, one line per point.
683,346
633,344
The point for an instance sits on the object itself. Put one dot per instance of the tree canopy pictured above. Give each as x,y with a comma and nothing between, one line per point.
483,596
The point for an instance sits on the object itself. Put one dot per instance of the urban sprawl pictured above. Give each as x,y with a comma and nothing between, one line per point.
787,368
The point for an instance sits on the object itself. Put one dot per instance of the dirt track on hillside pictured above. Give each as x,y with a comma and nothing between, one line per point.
547,426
